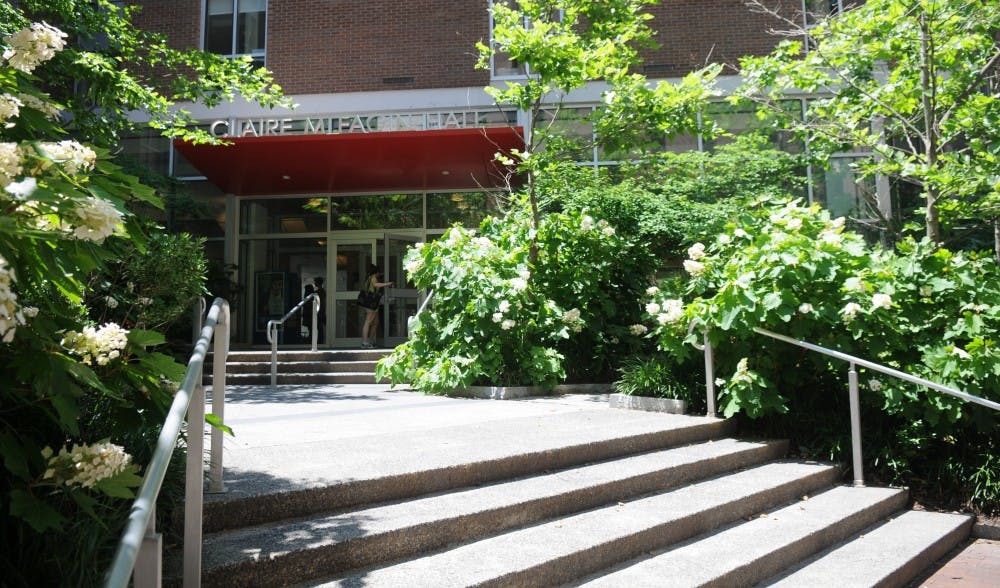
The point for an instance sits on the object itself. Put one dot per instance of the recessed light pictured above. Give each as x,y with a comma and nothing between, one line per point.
445,172
286,177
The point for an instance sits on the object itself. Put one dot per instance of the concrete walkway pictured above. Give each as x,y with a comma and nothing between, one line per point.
279,432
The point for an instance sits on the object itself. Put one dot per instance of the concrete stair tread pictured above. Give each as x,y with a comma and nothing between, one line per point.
749,552
544,441
564,549
887,555
463,514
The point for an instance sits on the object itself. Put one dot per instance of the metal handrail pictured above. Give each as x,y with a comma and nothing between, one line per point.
141,547
852,378
272,331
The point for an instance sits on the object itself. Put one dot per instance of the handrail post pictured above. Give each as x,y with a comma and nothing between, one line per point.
199,319
220,351
315,319
272,335
193,491
148,571
852,378
709,377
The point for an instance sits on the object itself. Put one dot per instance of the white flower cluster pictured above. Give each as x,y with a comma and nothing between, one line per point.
587,224
85,465
498,316
850,311
97,220
482,242
10,107
10,315
518,284
10,163
74,157
32,46
414,265
572,318
507,324
455,235
692,265
742,373
638,329
36,103
806,308
881,301
671,312
98,346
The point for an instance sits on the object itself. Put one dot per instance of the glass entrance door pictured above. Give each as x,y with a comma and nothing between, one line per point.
402,298
349,263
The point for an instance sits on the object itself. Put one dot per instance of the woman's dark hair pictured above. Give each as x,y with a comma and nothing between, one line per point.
373,270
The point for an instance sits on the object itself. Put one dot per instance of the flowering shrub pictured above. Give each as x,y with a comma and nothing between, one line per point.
496,317
63,380
794,270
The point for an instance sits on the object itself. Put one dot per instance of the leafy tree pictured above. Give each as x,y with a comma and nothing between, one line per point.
110,68
914,82
566,44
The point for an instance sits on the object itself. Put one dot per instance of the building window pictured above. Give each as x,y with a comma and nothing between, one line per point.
236,27
815,10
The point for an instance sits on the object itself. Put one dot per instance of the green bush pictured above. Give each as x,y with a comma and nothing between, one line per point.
791,269
500,317
659,377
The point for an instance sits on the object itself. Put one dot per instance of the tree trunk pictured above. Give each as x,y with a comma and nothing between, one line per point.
996,238
927,82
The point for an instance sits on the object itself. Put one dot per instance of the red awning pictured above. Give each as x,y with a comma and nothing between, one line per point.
449,159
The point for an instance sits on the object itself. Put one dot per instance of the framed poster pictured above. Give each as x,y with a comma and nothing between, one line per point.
269,288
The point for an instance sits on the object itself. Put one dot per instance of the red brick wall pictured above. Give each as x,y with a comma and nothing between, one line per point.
693,33
328,46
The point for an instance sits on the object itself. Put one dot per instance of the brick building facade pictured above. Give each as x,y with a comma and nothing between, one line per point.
392,141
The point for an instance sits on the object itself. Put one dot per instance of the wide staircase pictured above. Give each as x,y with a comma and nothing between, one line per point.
614,498
347,366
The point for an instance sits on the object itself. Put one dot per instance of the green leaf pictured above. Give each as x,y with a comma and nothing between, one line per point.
120,485
35,512
216,421
141,338
14,457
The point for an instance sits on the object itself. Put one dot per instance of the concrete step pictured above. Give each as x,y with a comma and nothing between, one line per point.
264,379
306,355
300,367
890,554
340,542
565,549
319,478
749,552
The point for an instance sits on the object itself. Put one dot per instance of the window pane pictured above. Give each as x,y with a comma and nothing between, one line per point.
465,208
283,215
251,25
840,191
219,27
383,211
569,131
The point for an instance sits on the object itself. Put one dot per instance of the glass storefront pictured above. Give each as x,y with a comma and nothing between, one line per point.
287,246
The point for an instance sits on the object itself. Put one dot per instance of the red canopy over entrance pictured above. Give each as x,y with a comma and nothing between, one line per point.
448,159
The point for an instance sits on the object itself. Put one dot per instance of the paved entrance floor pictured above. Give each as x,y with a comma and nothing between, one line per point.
279,433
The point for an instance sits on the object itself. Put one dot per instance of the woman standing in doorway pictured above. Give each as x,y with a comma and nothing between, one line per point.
372,284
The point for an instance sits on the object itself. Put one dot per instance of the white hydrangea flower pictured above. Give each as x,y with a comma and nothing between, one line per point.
30,47
454,236
482,241
507,324
608,231
110,302
638,329
571,316
23,189
742,372
875,385
831,238
587,223
725,239
504,305
602,223
806,308
85,465
663,318
854,285
30,311
497,317
837,223
794,224
34,102
10,162
98,346
74,157
97,218
653,308
696,251
414,265
741,233
525,274
881,301
10,107
144,301
11,316
695,268
674,309
652,290
926,291
850,311
518,284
